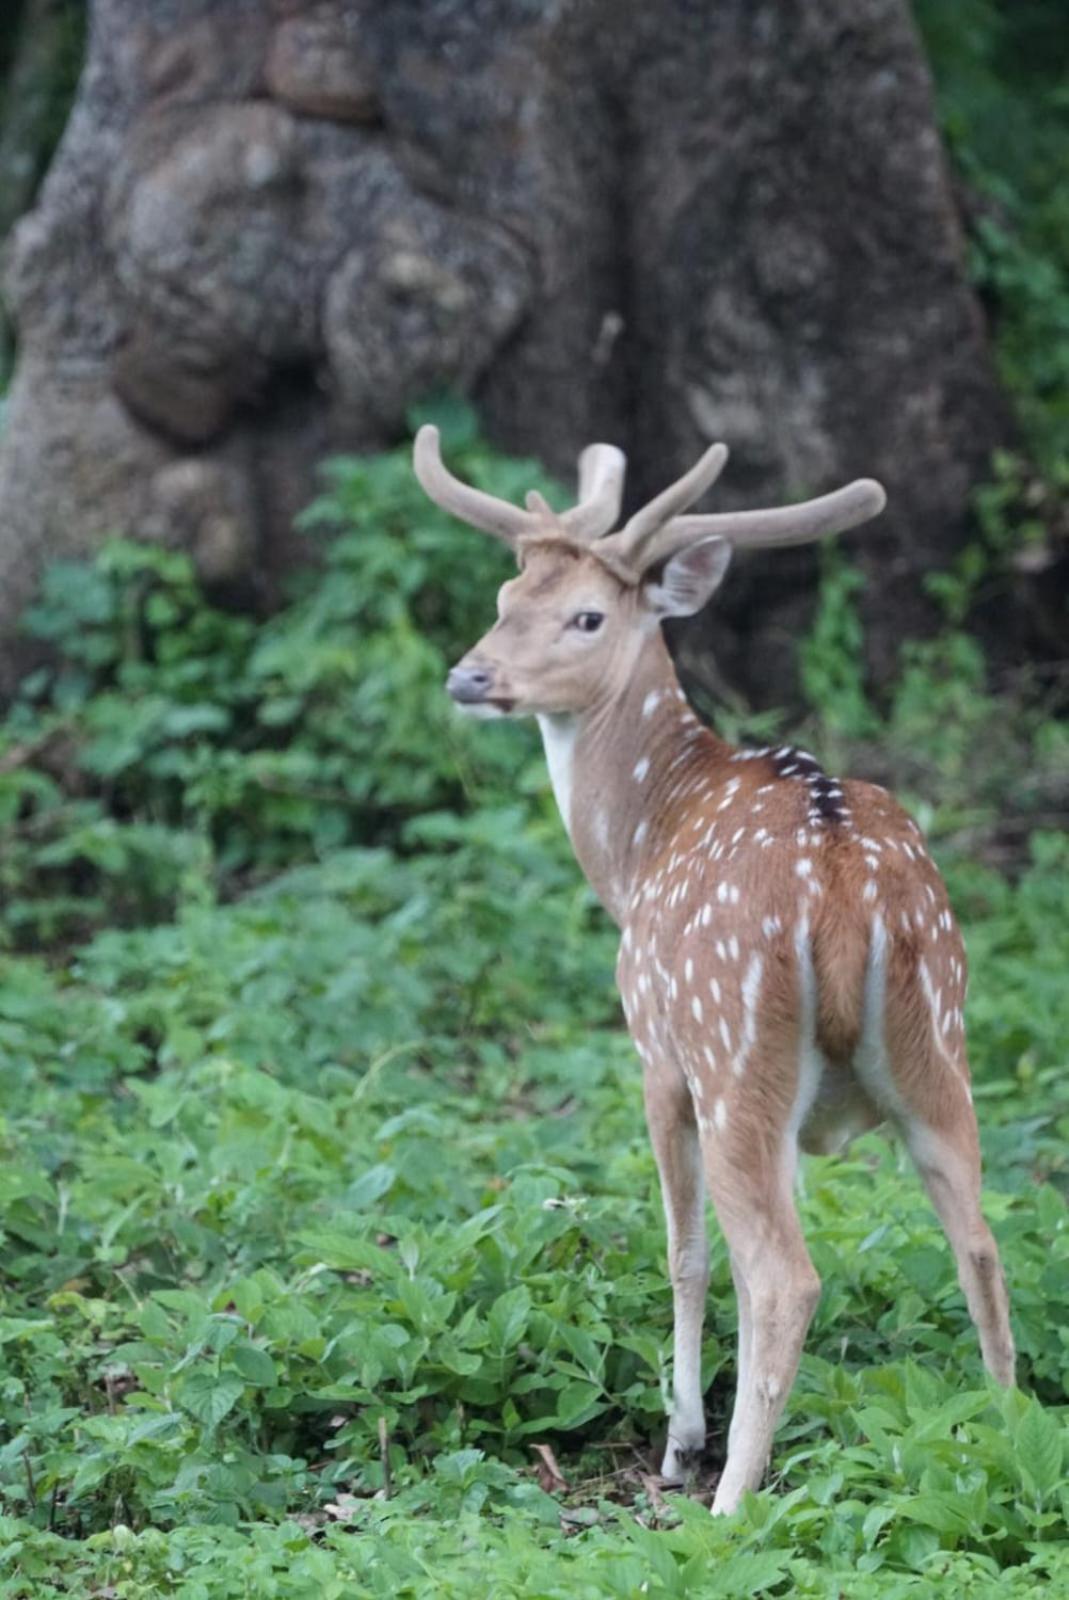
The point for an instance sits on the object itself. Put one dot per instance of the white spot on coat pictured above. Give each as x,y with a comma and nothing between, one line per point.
751,986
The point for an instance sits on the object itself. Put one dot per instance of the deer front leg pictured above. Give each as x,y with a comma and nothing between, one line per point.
674,1136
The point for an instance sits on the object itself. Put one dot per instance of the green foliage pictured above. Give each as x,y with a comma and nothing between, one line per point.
831,657
175,748
365,1150
325,1185
41,50
974,762
1001,73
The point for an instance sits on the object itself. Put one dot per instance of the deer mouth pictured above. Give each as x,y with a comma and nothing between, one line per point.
490,706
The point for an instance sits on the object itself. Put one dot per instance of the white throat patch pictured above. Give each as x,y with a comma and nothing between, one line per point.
558,736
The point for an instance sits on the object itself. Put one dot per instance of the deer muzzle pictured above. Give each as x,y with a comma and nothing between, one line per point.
474,683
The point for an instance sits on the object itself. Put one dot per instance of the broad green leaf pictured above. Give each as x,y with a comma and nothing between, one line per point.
1040,1444
577,1403
210,1398
254,1365
507,1319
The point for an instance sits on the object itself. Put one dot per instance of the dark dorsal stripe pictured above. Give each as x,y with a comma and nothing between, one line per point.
825,793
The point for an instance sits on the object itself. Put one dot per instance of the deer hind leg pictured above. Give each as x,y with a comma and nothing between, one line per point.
914,1063
778,1293
948,1161
674,1136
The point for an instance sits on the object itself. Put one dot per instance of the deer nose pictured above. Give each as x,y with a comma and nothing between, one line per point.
469,683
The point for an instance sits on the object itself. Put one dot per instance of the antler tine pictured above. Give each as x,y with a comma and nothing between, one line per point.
783,525
601,492
633,537
481,510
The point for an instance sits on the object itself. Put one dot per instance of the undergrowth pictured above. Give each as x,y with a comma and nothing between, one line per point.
333,1262
1000,75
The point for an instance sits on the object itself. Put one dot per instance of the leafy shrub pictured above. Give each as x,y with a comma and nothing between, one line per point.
312,1165
1000,80
174,748
326,1200
981,765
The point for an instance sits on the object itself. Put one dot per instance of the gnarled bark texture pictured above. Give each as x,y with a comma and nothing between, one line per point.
272,226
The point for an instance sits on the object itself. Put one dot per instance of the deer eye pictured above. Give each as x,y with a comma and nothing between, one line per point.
588,621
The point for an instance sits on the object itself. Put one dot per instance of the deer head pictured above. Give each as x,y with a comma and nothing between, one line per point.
571,626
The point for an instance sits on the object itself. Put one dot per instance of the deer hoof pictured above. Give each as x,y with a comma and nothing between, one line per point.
680,1463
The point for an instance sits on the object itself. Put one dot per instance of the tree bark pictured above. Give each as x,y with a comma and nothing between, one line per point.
272,227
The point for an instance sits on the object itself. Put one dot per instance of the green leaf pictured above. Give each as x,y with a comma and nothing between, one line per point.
254,1365
370,1186
508,1319
958,1409
577,1403
209,1398
751,1573
1040,1448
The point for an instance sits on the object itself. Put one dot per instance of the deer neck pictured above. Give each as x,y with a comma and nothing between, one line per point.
616,771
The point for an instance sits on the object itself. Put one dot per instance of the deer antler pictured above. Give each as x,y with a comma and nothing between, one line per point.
783,525
481,510
601,483
657,532
601,492
636,534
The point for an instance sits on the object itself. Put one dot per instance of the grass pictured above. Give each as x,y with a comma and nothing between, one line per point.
333,1259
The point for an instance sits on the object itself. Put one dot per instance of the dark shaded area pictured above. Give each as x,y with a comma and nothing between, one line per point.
41,48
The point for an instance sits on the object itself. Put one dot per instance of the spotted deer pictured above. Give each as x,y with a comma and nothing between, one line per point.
790,968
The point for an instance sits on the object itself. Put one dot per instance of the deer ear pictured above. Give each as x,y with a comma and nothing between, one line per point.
689,578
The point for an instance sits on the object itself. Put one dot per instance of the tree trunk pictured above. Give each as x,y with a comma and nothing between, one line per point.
271,227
